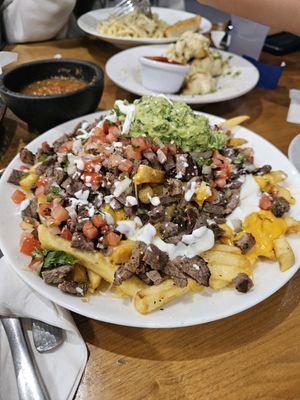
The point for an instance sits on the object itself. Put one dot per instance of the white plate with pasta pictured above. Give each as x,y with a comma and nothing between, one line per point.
190,309
124,70
127,35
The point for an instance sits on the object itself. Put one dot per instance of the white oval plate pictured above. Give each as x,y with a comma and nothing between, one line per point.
188,310
88,23
294,152
125,71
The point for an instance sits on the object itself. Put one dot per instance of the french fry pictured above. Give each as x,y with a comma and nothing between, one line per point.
225,258
224,272
284,253
79,274
217,284
122,252
237,142
92,260
95,279
226,248
153,297
232,122
293,226
266,181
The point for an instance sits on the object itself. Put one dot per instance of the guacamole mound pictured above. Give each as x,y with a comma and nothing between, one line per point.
157,117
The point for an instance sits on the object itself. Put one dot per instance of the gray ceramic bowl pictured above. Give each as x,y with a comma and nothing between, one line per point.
42,113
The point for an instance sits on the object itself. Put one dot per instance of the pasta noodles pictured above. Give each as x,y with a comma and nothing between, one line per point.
135,25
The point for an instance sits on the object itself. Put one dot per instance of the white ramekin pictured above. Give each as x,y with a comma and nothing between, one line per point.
162,77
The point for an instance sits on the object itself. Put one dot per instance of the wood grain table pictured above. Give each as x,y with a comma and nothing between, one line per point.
250,356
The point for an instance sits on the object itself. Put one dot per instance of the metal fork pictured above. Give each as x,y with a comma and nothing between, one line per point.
127,6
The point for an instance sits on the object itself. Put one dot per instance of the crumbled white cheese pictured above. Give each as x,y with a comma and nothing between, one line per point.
82,195
91,211
155,201
117,144
195,266
121,186
24,204
131,201
108,198
79,163
129,111
76,146
178,176
190,191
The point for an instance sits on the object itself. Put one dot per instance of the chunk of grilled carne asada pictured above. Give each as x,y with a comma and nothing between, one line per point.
242,283
245,242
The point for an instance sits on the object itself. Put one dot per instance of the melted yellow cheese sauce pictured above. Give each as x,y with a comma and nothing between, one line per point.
265,227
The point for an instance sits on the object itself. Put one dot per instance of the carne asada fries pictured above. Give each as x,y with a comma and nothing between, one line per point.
154,201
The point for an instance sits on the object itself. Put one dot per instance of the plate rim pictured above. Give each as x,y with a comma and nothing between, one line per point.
287,275
128,39
188,100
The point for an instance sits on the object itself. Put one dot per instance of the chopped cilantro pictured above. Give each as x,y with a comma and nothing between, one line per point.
239,158
56,190
49,198
54,258
43,157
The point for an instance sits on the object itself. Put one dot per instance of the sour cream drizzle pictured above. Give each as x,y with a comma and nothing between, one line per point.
249,201
129,111
199,240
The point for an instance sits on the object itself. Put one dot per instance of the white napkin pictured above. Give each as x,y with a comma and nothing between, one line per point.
294,109
61,368
6,58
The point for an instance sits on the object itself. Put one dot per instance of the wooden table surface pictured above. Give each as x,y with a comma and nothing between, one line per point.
250,356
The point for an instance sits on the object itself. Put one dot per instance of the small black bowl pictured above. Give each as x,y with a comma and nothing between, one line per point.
44,112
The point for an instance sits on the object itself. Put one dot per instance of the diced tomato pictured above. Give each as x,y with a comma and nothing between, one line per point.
18,196
218,159
220,182
114,160
94,178
222,173
28,243
105,127
89,230
98,131
65,147
45,209
89,166
98,221
59,214
140,143
24,168
104,229
45,147
99,139
42,181
125,166
265,202
111,137
132,154
112,239
114,130
66,233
